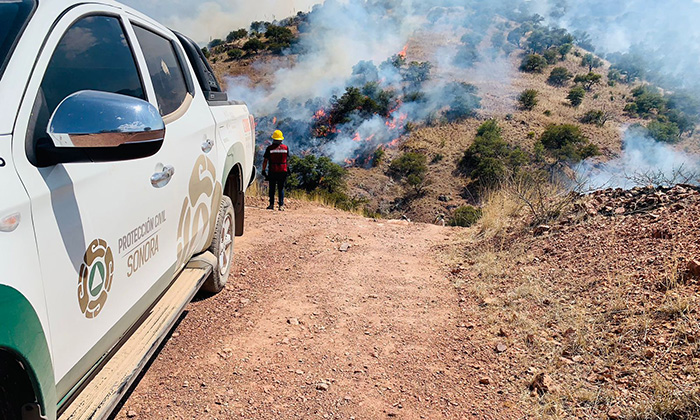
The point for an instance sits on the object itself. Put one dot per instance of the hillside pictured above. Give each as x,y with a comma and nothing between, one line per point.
444,143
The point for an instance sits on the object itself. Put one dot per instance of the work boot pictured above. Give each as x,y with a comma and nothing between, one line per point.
271,207
282,208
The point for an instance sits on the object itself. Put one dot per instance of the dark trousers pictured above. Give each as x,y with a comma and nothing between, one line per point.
277,180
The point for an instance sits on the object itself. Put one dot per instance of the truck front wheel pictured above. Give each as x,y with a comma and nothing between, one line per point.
222,247
15,388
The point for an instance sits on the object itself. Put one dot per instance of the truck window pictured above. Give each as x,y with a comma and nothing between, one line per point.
92,55
13,18
164,67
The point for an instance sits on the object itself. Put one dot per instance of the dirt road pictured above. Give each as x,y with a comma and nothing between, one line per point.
304,330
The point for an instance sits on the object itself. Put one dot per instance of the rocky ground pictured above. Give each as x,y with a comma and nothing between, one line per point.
330,315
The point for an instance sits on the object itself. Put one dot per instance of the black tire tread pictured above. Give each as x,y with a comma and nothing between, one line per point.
216,282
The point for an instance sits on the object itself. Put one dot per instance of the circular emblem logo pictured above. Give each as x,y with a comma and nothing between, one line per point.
95,281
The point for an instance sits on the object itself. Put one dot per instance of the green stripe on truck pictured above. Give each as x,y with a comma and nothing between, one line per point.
21,333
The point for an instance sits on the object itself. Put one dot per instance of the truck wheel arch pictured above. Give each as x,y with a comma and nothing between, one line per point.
23,341
16,385
234,189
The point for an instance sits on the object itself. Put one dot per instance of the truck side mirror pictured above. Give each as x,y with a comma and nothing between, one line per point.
93,120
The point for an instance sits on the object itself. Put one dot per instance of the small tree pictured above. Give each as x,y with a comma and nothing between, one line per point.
236,35
567,142
528,99
560,76
588,80
591,61
253,45
533,63
411,167
564,50
576,95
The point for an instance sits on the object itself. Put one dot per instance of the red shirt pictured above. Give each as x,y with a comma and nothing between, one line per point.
277,154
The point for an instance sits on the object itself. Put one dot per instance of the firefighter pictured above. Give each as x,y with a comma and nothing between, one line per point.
276,154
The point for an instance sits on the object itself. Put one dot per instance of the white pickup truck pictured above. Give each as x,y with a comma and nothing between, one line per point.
123,169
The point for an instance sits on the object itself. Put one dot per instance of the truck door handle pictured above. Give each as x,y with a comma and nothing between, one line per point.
161,179
207,146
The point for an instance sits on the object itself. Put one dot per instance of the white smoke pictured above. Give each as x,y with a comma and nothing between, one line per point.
203,21
643,161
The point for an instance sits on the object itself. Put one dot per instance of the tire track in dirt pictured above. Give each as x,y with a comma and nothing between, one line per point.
304,330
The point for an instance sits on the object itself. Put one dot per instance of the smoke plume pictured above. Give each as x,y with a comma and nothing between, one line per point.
643,162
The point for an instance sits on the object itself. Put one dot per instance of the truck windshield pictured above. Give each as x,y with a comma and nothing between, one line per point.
13,17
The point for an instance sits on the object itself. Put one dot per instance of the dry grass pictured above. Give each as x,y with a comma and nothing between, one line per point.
613,339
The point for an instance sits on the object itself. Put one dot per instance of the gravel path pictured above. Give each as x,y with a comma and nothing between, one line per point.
305,330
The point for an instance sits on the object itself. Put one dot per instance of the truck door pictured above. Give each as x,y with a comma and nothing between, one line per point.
106,231
189,138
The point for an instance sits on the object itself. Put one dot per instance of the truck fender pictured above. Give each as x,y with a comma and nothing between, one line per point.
23,336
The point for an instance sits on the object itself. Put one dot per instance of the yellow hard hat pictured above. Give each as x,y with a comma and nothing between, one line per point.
277,135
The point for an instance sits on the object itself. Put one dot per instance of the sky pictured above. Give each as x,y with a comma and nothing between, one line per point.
204,20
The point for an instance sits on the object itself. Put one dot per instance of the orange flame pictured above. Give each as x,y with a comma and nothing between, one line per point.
403,52
274,120
319,114
357,138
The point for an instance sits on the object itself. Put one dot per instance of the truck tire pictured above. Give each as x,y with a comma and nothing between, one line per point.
15,389
222,247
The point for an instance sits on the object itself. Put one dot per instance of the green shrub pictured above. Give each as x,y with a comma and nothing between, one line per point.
560,76
215,43
378,157
437,158
614,75
648,101
533,63
253,45
596,117
489,159
667,132
279,34
236,35
576,95
567,142
551,55
528,99
312,174
234,53
411,168
465,216
547,113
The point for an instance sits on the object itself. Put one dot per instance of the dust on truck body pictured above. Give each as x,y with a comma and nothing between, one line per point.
123,168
